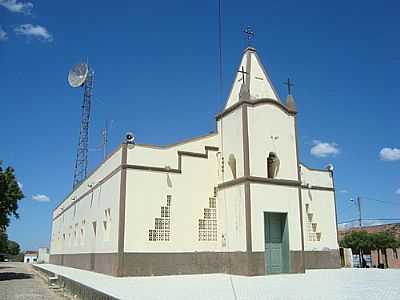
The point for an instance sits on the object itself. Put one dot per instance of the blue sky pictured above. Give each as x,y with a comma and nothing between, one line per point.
156,74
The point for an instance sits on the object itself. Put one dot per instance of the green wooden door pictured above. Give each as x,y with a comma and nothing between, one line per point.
276,252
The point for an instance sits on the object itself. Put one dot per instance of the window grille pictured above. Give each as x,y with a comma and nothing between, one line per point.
162,226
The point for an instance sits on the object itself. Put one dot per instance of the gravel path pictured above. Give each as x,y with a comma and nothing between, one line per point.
19,282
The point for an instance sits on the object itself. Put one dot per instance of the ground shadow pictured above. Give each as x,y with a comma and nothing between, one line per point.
12,275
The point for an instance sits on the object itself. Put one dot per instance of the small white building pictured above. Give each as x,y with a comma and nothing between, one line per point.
31,257
43,255
236,201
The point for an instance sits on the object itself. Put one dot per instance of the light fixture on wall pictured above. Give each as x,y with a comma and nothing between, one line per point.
330,167
129,138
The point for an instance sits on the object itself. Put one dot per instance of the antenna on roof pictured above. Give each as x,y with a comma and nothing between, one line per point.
81,75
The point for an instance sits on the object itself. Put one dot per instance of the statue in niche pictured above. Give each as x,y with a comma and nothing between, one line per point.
232,165
273,164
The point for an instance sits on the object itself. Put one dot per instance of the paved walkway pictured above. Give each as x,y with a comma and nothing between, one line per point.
336,284
19,282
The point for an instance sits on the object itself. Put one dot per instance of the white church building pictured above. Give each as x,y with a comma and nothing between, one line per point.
235,201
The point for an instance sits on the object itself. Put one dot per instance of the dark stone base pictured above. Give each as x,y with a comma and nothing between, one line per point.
156,264
106,263
297,262
322,259
240,263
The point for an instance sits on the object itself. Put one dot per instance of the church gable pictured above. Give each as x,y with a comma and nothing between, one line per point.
252,81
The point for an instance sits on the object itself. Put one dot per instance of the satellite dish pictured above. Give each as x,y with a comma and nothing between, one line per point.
78,74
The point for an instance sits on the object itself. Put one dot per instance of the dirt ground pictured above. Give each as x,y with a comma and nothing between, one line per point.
18,281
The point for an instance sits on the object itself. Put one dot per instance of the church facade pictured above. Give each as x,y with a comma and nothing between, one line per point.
235,201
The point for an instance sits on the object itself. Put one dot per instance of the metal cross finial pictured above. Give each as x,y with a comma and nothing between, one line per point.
243,72
250,34
289,85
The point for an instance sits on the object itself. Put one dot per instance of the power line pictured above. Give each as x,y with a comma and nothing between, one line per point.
371,219
382,201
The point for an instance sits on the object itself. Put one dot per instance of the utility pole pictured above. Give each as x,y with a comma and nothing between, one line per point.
358,203
359,211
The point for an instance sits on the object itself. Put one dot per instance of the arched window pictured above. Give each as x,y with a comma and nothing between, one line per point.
272,165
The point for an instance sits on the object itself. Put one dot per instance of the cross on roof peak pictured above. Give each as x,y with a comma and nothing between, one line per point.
289,85
249,34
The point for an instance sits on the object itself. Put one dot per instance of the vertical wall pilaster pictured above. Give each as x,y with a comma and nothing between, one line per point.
121,219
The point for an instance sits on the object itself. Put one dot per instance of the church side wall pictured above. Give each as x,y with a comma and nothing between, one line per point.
319,219
189,191
161,157
321,204
272,130
85,231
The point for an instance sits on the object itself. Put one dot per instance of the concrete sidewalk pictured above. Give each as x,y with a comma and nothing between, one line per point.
335,284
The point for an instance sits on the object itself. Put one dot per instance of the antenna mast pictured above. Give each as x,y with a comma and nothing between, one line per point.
81,164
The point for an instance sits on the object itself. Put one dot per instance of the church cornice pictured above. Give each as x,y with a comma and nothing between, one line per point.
271,181
125,166
256,103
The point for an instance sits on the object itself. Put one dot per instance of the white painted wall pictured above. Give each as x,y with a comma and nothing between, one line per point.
232,219
322,205
321,178
274,198
231,126
43,255
147,191
267,120
154,156
72,230
106,167
31,258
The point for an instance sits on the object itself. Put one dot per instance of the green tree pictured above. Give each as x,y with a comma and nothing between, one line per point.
10,194
13,248
382,241
3,241
359,241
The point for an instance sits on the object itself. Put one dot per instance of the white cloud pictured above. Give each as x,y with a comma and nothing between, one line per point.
397,192
3,35
20,185
344,191
389,154
17,7
323,149
41,198
36,31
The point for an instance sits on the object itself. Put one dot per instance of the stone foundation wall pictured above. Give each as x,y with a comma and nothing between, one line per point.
156,264
322,259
